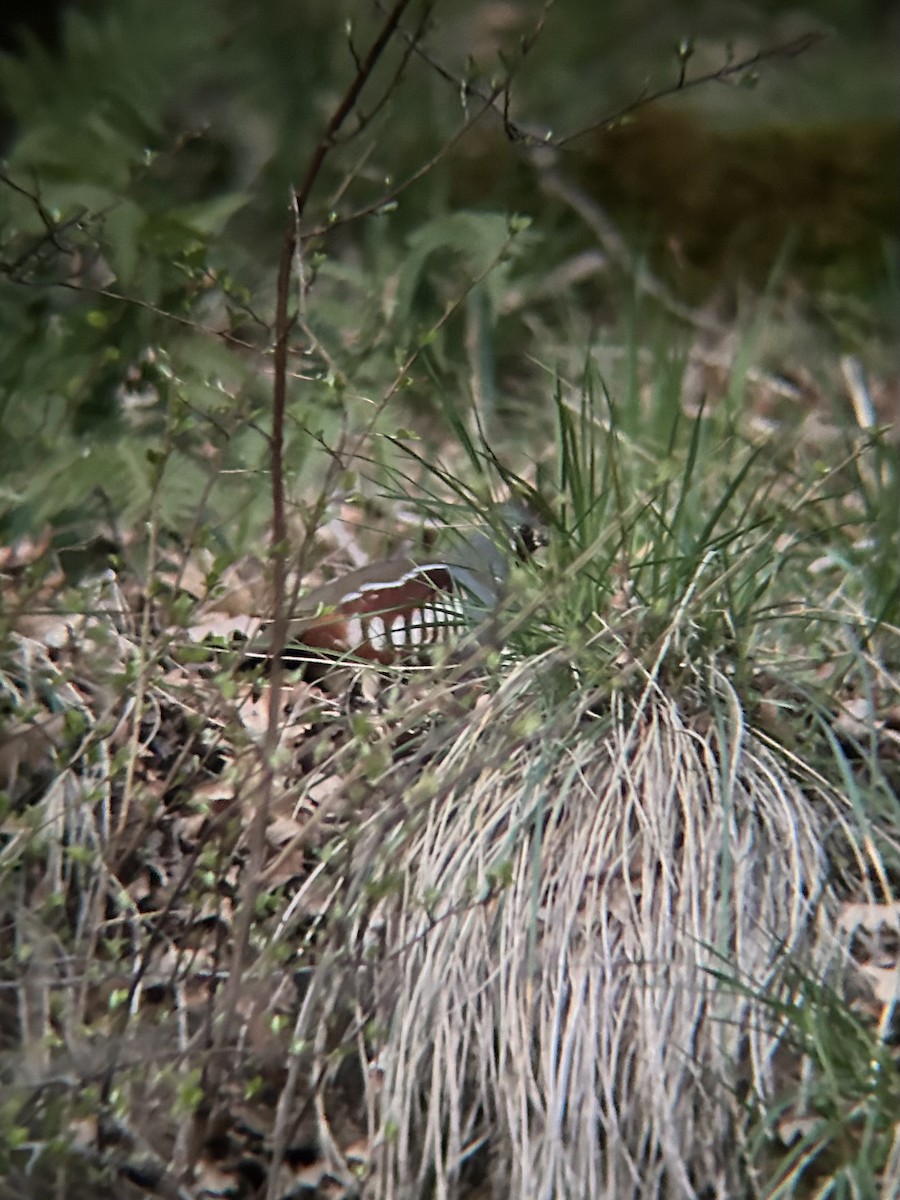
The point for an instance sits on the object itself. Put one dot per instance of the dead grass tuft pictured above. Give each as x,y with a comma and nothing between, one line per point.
564,913
501,943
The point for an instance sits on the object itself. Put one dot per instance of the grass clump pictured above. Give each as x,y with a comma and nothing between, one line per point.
583,907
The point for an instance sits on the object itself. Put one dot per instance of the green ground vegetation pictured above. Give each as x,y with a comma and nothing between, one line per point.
602,904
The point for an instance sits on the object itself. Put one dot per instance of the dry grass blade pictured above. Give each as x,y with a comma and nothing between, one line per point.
553,959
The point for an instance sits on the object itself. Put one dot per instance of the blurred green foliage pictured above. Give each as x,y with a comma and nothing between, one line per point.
145,194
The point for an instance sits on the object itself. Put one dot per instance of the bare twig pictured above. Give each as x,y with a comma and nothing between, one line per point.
518,132
251,879
388,198
789,49
363,120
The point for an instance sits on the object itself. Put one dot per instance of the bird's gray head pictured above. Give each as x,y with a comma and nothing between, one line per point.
483,553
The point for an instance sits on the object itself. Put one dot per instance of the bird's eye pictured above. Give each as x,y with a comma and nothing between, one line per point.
527,539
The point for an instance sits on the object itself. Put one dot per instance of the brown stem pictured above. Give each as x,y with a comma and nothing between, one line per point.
256,836
783,50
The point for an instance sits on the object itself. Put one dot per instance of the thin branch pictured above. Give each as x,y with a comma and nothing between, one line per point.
284,323
51,227
365,119
195,326
343,110
497,100
783,50
387,198
283,326
518,132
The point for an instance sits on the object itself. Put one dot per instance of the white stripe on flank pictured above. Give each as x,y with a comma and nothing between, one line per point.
355,633
414,627
378,632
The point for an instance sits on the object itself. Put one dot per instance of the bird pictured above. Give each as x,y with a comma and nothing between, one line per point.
392,610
